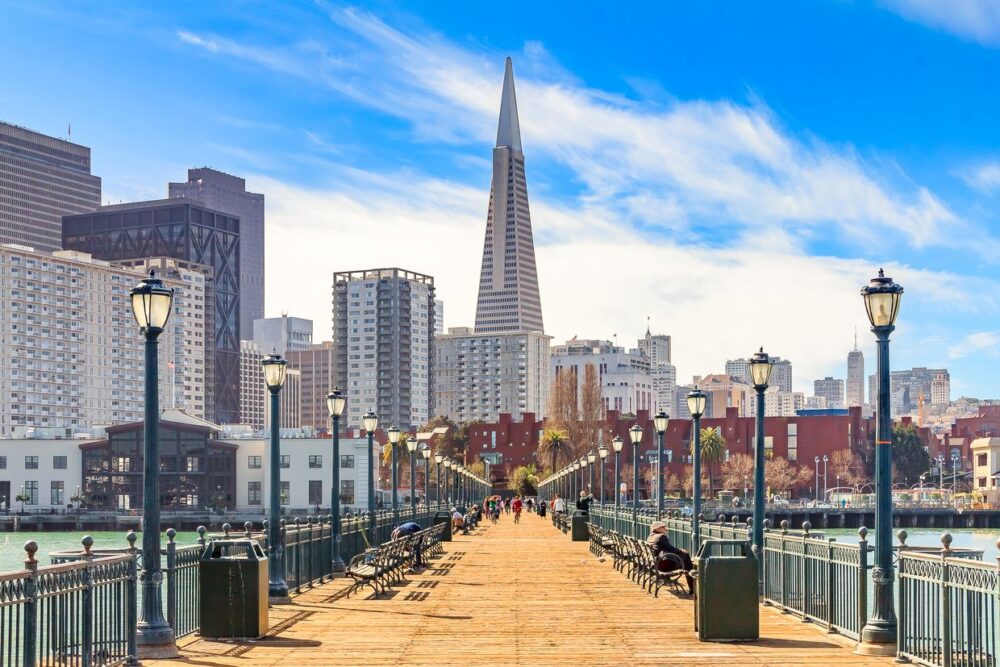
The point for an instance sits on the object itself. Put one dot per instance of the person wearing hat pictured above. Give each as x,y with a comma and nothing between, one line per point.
661,545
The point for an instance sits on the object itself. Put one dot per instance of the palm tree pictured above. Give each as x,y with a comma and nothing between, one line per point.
554,444
713,450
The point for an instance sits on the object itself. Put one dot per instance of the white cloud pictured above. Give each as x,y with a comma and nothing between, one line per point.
977,20
985,177
979,343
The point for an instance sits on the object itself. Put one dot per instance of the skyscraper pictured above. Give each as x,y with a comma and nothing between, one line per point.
41,180
855,376
383,338
226,193
508,280
781,375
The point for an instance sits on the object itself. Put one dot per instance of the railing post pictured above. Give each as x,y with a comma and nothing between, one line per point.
298,555
945,601
172,579
781,556
804,576
767,579
87,641
862,609
133,596
830,588
30,629
248,530
311,575
201,536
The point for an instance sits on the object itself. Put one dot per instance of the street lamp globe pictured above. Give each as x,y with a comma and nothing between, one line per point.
274,371
760,369
438,458
617,443
151,303
660,422
393,435
882,297
602,451
591,456
447,464
336,402
370,422
426,452
696,401
584,461
635,433
411,445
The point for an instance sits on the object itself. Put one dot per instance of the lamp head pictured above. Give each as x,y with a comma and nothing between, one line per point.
151,303
591,456
697,401
426,452
635,434
438,458
617,443
393,435
336,402
602,451
882,297
274,367
411,444
370,422
760,369
660,422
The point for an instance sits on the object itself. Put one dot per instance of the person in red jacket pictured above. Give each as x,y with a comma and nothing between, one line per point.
517,505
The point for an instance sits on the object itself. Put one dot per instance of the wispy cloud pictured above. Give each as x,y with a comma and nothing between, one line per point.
979,343
976,20
985,177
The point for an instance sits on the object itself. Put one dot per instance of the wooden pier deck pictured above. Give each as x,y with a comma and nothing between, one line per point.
511,595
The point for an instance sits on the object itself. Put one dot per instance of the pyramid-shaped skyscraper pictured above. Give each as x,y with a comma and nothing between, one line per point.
508,280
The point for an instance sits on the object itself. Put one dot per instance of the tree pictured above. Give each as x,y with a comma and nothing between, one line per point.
909,457
591,414
674,484
848,467
713,450
689,481
563,411
780,475
453,442
554,445
524,480
737,472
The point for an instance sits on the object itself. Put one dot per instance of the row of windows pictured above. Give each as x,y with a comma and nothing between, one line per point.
315,461
31,462
29,493
255,493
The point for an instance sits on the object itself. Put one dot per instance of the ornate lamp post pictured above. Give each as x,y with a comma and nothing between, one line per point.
954,475
635,434
370,424
151,306
940,462
825,459
617,443
660,424
447,475
274,377
411,445
393,435
816,473
602,452
425,453
584,464
760,372
696,401
591,459
335,405
438,458
878,637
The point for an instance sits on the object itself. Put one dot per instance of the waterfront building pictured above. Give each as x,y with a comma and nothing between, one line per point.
986,467
383,337
479,376
624,376
42,178
831,389
283,334
223,192
317,364
664,377
71,356
508,281
855,376
185,231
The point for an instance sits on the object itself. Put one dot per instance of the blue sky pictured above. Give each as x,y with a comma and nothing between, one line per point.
733,171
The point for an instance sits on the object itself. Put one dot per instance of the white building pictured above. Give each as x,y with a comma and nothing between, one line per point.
479,375
71,355
282,334
626,383
49,471
778,403
941,389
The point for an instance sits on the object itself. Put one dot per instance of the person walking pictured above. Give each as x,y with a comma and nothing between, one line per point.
559,505
517,505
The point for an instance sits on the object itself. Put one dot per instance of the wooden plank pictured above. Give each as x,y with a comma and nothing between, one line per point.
512,595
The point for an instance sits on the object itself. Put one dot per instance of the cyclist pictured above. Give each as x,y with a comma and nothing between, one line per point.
516,506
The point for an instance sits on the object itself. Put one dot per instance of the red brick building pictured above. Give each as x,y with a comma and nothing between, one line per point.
508,443
963,431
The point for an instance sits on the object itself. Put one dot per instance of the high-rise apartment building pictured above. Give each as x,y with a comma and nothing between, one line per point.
228,194
41,180
477,376
855,376
283,334
941,389
383,335
255,400
71,355
656,348
438,317
739,368
508,280
778,403
185,231
624,376
317,363
831,389
781,375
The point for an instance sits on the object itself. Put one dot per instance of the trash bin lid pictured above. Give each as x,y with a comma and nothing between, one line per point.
233,549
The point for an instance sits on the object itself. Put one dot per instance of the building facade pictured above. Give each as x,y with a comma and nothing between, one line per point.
71,355
724,392
226,193
283,334
184,231
508,280
781,375
383,337
830,389
624,376
253,391
317,364
42,178
855,376
479,376
778,403
915,386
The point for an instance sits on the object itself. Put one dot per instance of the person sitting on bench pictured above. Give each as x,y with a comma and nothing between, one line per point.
661,545
457,520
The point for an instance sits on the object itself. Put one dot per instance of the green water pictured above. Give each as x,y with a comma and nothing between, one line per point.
12,544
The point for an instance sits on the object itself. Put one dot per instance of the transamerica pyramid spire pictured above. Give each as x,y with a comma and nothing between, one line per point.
508,280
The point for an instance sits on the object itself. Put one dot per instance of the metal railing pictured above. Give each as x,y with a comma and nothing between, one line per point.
948,608
80,612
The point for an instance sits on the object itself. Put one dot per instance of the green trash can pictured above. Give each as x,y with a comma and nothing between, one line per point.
233,586
445,518
727,607
580,532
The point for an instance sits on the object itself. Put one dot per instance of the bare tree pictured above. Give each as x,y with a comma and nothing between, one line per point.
591,413
781,475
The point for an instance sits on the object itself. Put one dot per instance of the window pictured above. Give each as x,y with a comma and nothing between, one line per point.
31,490
3,462
59,463
286,493
315,461
254,493
980,459
253,462
346,461
58,491
315,492
347,491
285,461
193,463
793,442
981,480
31,463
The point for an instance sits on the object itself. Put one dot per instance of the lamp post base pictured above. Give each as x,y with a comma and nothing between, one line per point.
273,600
165,651
887,649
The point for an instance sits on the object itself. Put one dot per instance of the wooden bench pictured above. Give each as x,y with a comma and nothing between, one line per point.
636,559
